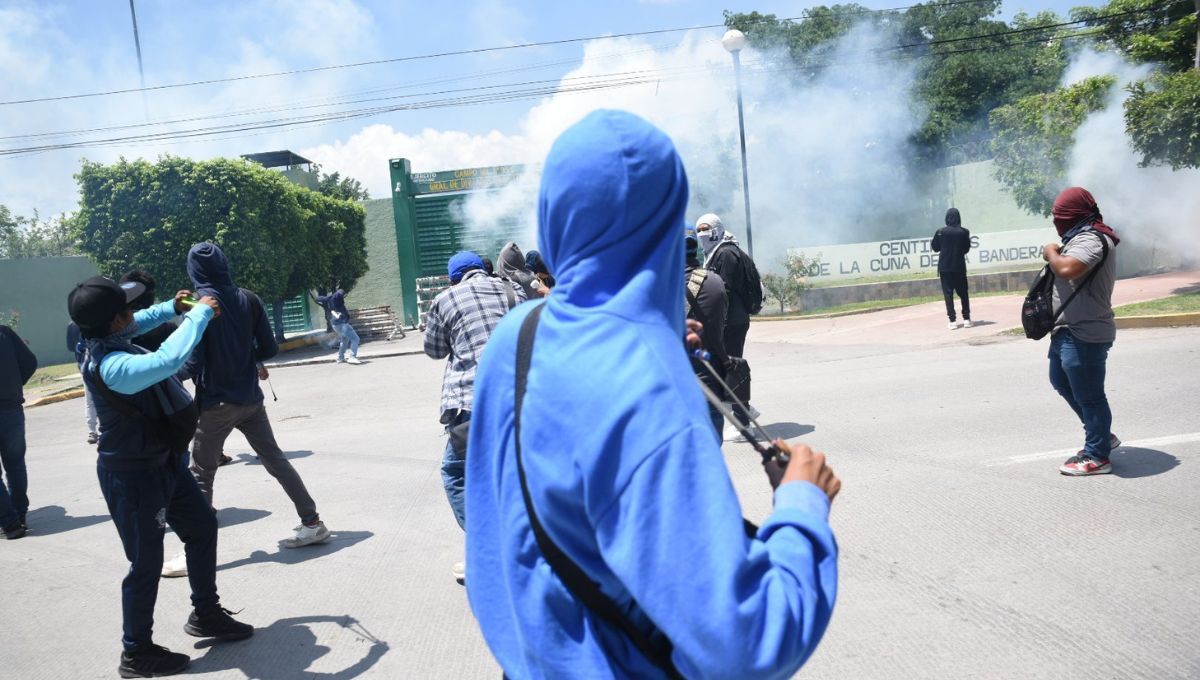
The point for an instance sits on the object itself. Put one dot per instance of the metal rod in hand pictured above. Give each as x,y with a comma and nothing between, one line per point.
758,437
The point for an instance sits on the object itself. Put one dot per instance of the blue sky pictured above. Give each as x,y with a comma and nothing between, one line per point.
56,48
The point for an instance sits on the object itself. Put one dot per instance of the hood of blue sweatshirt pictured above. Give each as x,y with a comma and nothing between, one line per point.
622,464
209,271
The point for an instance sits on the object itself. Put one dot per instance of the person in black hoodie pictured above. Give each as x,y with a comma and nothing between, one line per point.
146,421
225,369
953,242
707,303
17,365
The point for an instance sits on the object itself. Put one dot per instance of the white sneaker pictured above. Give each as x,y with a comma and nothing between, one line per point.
306,535
341,360
952,325
353,360
460,572
967,323
176,566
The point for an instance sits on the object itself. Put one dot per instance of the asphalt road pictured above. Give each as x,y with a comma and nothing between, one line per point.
964,554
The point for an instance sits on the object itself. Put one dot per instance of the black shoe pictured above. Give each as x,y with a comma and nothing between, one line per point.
154,661
14,531
217,624
225,460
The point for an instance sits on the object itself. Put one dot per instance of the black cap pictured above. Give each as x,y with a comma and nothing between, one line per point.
94,303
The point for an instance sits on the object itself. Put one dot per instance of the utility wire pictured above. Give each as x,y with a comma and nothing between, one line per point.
437,55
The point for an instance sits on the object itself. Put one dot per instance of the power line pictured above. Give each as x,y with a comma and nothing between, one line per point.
437,55
523,91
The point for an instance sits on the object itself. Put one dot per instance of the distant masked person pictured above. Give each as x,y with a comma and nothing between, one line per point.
594,476
743,287
952,243
225,366
459,323
77,346
153,338
538,266
146,422
511,265
1085,262
339,315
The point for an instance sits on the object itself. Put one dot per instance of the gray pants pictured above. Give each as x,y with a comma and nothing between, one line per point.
216,422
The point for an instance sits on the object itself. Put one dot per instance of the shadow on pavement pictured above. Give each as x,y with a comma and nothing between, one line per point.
294,648
1131,462
252,458
1184,290
339,540
53,519
787,430
228,517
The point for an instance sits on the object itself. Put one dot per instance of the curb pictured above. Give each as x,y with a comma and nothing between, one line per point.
333,360
832,315
1146,321
55,398
1159,320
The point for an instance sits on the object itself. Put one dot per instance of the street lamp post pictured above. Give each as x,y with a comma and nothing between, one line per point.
733,41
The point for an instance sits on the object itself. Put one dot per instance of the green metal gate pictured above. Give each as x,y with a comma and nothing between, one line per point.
296,318
430,228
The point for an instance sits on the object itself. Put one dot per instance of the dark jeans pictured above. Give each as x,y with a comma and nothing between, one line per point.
14,502
1077,371
216,424
142,503
454,473
952,283
735,344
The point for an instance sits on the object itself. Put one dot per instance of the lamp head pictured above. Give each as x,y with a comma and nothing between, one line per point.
733,40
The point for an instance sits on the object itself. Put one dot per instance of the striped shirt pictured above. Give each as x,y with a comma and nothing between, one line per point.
458,325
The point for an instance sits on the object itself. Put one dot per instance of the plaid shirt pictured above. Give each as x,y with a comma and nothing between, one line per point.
458,325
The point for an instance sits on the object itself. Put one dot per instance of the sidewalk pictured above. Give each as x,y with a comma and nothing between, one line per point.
923,325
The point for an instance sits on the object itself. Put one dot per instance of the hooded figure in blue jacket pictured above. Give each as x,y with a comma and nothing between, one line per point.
226,369
618,452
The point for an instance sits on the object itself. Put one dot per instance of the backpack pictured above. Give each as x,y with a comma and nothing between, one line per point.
752,288
1037,312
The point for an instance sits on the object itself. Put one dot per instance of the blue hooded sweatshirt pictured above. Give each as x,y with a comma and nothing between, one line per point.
618,450
225,363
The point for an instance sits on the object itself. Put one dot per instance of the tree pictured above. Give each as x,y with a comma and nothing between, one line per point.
33,237
1034,136
336,186
1162,118
280,238
1148,31
787,288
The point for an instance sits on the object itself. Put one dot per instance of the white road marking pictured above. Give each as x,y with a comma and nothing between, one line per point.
1061,453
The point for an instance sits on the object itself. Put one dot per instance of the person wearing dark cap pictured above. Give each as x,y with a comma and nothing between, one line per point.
146,422
458,325
952,243
225,367
512,265
17,365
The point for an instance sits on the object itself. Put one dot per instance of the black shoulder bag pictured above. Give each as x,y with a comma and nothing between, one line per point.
1037,313
572,576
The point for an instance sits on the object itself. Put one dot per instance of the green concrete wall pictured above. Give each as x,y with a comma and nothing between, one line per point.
37,289
381,284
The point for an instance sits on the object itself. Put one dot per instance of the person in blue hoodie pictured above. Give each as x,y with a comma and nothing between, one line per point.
335,302
225,367
146,421
619,458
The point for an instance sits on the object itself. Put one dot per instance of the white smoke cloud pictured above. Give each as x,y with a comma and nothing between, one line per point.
823,155
1154,209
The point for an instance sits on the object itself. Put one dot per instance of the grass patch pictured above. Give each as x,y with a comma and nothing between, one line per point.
1176,304
47,375
877,305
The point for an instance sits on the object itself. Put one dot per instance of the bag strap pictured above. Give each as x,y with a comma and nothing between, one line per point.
570,573
697,277
508,293
1091,275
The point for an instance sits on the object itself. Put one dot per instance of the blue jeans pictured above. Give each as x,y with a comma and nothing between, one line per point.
454,473
142,503
14,502
1077,372
346,334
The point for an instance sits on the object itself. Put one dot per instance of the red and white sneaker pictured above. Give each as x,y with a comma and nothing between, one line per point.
1080,466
